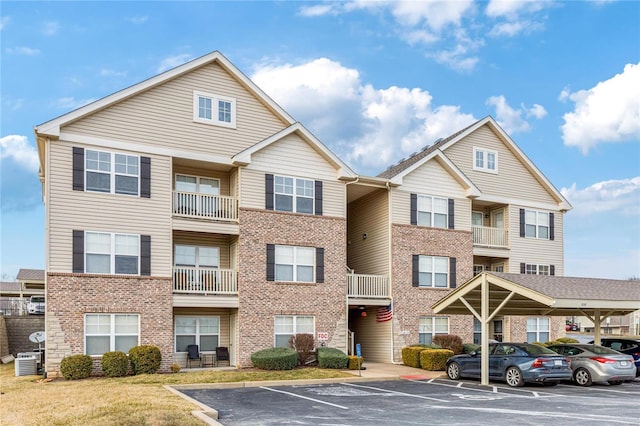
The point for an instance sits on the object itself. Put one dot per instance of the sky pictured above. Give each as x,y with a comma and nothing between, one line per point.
375,81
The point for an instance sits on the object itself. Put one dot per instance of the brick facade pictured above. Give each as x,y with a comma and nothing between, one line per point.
70,296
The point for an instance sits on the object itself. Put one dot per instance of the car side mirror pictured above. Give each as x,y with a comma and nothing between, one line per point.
473,353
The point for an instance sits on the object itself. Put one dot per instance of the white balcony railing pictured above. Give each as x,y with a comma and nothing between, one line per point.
203,206
204,280
490,237
369,286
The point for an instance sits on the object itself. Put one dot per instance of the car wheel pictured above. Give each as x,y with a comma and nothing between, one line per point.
582,377
513,377
453,371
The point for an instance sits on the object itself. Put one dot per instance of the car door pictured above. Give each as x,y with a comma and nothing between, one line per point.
501,357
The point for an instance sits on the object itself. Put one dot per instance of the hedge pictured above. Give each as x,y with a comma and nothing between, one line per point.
435,359
332,358
411,354
355,362
115,364
145,359
275,359
76,367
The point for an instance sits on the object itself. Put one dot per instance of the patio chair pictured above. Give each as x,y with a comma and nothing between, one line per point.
222,354
193,353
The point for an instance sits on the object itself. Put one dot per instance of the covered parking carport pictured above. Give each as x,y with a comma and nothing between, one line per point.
491,293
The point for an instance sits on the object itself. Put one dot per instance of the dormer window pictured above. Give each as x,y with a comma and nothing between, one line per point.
214,109
485,160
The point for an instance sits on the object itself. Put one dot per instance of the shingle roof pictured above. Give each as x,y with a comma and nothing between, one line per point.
9,286
31,275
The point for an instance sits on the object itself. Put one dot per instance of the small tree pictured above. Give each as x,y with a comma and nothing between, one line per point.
304,345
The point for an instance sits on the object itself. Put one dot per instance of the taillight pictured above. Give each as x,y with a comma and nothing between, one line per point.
568,361
603,360
537,363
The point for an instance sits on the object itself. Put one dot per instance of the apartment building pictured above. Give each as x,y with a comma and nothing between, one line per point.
192,209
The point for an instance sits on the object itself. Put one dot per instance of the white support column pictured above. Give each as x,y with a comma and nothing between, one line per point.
484,313
596,326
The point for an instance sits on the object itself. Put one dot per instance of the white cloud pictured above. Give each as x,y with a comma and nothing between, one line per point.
71,103
608,112
18,149
173,61
370,127
4,21
137,20
22,50
317,10
105,72
511,8
434,14
50,28
620,196
511,119
515,17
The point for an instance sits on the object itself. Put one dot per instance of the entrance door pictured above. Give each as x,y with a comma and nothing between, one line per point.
232,338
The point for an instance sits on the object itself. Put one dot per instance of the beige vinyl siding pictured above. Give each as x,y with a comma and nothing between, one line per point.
163,116
92,211
370,215
374,337
207,240
513,180
533,250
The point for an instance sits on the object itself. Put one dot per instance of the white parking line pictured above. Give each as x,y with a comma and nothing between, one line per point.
395,392
304,397
494,389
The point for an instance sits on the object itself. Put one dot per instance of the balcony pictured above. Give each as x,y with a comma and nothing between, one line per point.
368,289
203,206
486,236
205,281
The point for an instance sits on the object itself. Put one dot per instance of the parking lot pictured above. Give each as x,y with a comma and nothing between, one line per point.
428,401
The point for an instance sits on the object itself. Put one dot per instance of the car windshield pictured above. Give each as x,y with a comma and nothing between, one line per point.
536,350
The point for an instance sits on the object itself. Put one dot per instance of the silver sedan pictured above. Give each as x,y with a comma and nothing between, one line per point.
592,363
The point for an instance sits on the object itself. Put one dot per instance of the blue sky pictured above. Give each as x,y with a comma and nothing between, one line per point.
375,81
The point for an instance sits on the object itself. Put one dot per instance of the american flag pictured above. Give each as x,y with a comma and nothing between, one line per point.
384,313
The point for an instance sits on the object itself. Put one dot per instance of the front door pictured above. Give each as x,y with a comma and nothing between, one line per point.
232,338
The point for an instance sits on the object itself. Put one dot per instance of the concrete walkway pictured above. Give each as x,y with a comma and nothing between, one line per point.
382,371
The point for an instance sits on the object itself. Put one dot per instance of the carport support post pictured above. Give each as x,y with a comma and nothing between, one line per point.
484,314
597,319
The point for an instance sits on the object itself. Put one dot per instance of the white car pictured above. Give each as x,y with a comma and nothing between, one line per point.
36,305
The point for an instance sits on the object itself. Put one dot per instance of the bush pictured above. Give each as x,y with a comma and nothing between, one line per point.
76,367
304,344
449,341
275,359
145,359
467,348
355,362
175,367
565,340
115,364
411,355
435,359
332,358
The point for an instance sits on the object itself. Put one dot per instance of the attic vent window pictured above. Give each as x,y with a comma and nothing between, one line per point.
485,160
214,109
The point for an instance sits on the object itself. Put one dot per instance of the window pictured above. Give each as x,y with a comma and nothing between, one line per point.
293,194
477,331
536,224
477,269
433,211
531,269
485,160
538,329
433,271
196,184
288,325
294,263
214,109
203,331
430,326
110,332
112,173
107,253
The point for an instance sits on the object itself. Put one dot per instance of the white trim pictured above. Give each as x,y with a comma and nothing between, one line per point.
214,121
485,161
112,334
295,325
525,204
294,196
112,172
197,333
112,252
295,263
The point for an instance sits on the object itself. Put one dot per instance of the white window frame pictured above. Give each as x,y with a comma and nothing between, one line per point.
112,334
295,328
534,224
423,261
485,164
297,183
112,253
534,269
295,264
112,172
432,200
198,183
197,334
534,325
215,105
428,325
197,256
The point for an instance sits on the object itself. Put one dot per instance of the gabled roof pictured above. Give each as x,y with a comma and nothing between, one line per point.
30,275
344,171
397,172
52,127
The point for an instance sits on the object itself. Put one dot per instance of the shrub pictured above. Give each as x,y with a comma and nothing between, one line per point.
145,359
304,344
467,348
355,362
115,364
76,367
566,340
435,359
411,355
175,367
332,358
275,359
449,341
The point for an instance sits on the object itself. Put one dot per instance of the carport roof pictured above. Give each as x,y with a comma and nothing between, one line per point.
521,294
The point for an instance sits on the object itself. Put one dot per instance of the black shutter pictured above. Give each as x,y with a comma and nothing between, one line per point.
318,196
78,252
414,209
552,227
523,268
451,213
452,272
416,271
271,262
319,264
522,223
145,177
145,255
268,192
78,169
552,269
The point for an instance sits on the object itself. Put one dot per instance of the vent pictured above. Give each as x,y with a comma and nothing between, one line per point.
26,366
